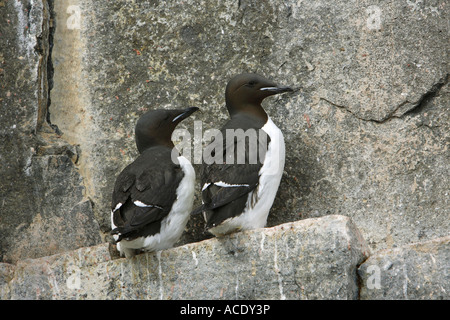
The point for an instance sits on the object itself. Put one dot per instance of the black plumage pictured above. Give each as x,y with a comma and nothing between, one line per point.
152,179
145,192
221,203
226,186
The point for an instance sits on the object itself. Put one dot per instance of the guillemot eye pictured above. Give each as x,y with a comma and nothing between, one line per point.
252,83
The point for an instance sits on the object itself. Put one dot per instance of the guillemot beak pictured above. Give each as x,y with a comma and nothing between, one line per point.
276,89
184,114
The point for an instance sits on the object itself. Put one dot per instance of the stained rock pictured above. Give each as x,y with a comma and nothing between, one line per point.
309,259
417,271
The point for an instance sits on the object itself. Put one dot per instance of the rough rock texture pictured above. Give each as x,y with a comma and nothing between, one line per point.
366,131
412,272
43,206
310,259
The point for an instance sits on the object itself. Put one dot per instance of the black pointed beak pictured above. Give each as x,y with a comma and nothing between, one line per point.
184,114
276,89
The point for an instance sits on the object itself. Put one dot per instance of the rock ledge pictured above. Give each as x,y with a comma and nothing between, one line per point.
309,259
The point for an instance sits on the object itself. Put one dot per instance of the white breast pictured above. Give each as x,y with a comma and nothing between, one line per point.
172,226
270,176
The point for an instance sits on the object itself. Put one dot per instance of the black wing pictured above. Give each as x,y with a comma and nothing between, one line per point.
144,193
226,186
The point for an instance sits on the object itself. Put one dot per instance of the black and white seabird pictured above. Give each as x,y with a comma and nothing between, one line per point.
153,195
239,196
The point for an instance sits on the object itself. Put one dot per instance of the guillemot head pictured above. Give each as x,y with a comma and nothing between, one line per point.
156,127
245,92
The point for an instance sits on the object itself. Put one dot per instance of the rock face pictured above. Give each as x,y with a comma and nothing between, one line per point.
366,131
44,208
412,272
310,259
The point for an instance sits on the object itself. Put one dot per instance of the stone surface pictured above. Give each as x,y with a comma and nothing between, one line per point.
53,216
309,259
24,36
367,131
43,206
412,272
50,277
6,275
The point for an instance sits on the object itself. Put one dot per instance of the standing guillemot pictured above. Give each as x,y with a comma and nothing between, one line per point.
153,196
239,196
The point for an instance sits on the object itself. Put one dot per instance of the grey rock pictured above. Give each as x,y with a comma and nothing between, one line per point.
366,133
58,217
6,275
412,272
309,259
50,277
43,206
23,65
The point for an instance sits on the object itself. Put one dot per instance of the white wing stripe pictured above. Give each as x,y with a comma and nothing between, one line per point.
227,185
143,205
117,207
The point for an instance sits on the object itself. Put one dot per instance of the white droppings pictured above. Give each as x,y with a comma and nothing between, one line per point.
27,168
140,23
405,283
53,282
161,293
28,30
194,256
73,281
433,259
236,289
277,270
22,23
263,238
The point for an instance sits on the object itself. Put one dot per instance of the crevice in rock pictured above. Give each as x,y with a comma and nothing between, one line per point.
44,48
344,108
417,108
359,279
50,69
41,49
48,144
48,135
427,97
